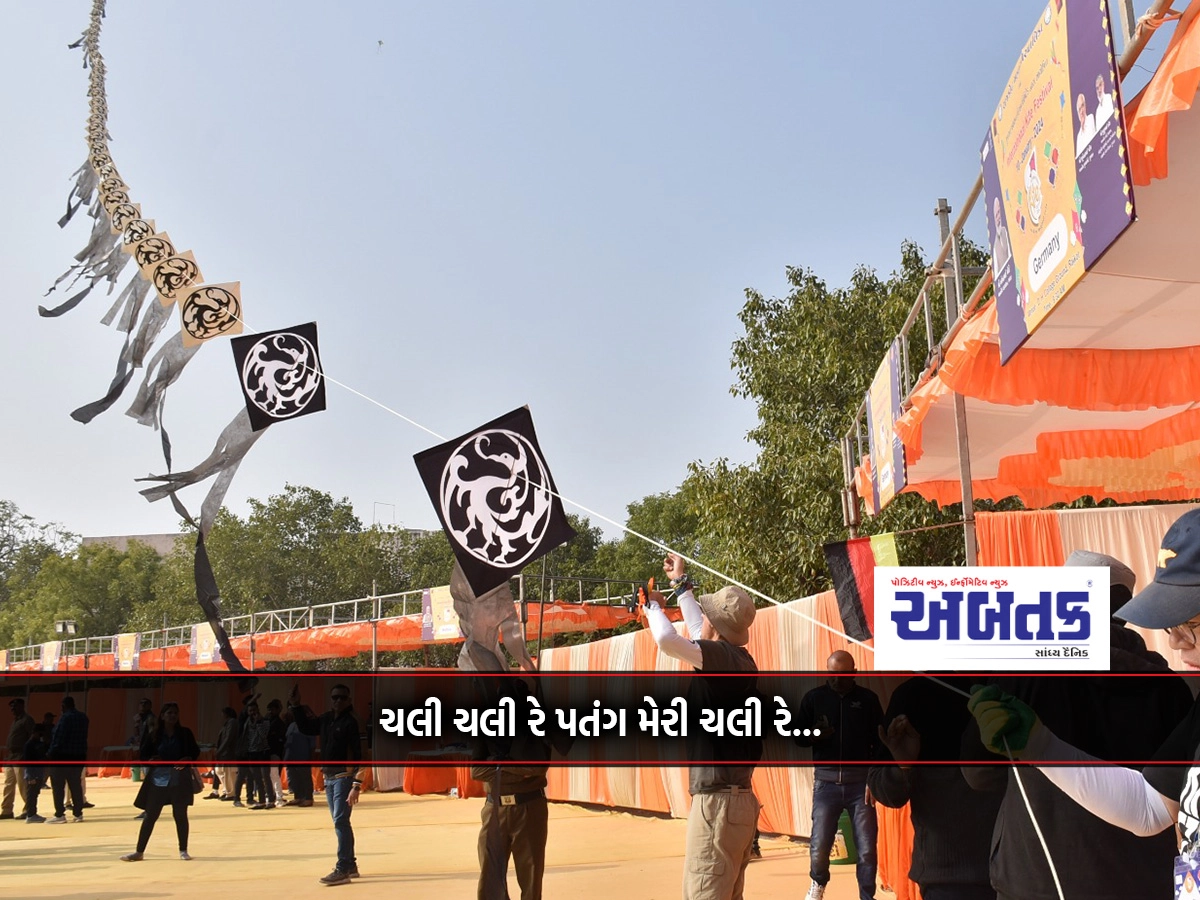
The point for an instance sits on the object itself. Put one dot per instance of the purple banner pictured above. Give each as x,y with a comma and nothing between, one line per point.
1056,182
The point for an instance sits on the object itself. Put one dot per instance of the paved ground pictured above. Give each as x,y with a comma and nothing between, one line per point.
416,848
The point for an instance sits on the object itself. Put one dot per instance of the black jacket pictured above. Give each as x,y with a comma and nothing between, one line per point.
181,787
855,718
341,748
952,825
69,740
1110,718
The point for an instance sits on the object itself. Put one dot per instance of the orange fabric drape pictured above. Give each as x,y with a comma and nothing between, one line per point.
895,851
1019,539
1171,89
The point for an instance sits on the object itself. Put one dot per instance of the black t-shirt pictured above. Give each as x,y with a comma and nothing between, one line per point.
1183,781
719,693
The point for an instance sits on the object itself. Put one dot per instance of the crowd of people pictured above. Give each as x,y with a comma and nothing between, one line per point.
166,752
981,832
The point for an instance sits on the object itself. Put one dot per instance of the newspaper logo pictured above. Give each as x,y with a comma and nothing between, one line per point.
1017,618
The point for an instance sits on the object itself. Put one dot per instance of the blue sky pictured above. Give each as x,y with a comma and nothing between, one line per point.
557,204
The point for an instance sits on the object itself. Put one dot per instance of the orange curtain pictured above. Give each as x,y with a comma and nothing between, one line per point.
1019,539
895,851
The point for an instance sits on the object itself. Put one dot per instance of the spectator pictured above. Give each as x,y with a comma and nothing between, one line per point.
298,746
14,779
844,719
225,750
341,750
68,743
276,739
144,715
724,810
34,755
952,825
256,751
165,785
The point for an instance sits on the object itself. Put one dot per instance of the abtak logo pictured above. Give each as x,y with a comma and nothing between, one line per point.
993,615
1011,618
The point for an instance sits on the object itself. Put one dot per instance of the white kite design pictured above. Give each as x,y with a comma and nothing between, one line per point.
495,497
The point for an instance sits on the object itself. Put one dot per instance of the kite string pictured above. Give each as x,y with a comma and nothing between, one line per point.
603,518
784,606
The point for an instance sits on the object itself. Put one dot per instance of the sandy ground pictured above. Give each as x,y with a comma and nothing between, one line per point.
418,848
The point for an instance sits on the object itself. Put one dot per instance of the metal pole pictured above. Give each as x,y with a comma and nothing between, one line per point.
949,283
541,615
374,629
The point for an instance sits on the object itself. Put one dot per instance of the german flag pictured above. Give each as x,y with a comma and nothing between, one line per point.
852,564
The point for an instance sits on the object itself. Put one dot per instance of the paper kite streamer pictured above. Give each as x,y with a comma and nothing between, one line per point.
280,373
495,498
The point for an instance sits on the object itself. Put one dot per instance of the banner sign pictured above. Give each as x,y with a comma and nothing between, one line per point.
439,621
3,660
203,649
1056,184
128,647
888,472
51,652
991,618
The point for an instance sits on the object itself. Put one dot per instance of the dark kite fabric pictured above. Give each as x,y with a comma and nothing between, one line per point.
852,565
493,493
209,597
280,374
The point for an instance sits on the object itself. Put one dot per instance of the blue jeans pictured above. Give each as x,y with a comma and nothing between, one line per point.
336,792
829,800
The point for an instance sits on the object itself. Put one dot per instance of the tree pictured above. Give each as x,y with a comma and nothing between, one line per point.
668,518
807,360
24,546
96,586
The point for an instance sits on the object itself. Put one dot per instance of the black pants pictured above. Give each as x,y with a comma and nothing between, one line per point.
300,781
32,789
69,778
243,779
260,781
957,892
155,802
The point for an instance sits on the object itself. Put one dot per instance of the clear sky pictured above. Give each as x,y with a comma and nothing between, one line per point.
557,204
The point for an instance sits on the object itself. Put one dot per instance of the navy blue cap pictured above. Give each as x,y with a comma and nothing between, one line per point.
1174,596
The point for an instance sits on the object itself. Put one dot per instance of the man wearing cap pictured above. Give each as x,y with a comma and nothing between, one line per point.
1112,718
19,734
1145,803
843,720
1128,652
724,811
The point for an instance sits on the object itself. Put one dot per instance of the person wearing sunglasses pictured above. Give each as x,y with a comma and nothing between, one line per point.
341,751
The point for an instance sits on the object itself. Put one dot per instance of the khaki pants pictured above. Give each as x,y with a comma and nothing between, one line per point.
14,786
522,831
228,776
720,831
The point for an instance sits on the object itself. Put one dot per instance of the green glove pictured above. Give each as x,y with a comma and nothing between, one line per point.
1002,718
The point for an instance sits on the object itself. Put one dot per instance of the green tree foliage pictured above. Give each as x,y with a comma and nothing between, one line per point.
807,360
96,586
667,518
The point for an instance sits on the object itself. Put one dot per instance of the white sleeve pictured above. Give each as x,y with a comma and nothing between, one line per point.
670,641
1113,793
693,618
